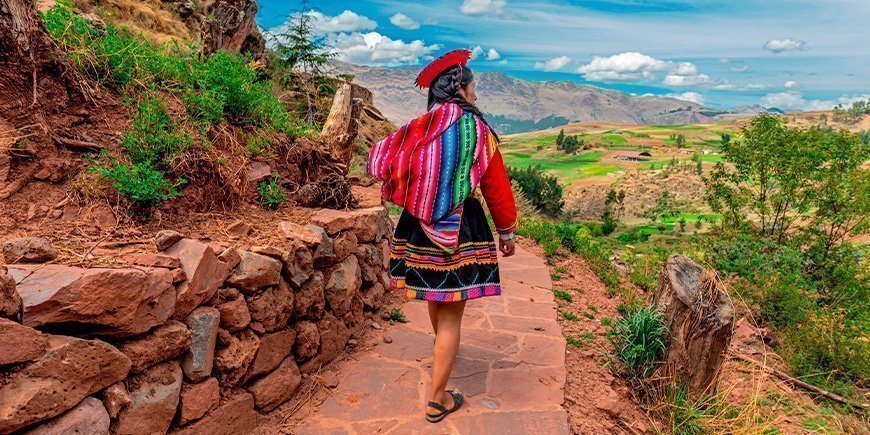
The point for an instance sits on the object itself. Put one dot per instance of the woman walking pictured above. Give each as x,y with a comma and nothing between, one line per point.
443,250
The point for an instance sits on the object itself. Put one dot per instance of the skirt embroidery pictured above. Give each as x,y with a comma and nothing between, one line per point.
429,273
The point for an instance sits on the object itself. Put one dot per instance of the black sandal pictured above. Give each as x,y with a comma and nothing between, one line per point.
457,403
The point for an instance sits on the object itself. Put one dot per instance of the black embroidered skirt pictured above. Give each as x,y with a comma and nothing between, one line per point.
427,272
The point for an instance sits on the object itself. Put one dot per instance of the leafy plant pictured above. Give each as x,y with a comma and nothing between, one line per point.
542,190
640,341
570,316
395,315
141,183
561,294
272,194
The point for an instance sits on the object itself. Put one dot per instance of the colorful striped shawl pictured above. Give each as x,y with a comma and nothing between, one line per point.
431,165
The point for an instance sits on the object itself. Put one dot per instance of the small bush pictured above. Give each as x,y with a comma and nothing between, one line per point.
154,137
395,315
542,190
565,296
272,194
640,341
141,183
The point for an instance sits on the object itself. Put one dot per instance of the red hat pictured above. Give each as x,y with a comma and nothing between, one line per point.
438,66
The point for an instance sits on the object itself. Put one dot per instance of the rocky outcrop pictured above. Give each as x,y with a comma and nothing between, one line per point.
103,302
230,26
700,318
69,370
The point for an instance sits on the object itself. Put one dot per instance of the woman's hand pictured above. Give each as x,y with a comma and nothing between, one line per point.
507,247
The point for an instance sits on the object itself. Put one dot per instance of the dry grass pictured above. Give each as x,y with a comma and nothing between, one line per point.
152,18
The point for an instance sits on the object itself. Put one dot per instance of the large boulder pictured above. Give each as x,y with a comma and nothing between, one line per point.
204,271
235,416
272,307
105,302
276,387
69,370
343,283
255,272
10,300
88,417
28,250
155,397
198,399
232,362
273,349
19,343
203,324
310,299
163,343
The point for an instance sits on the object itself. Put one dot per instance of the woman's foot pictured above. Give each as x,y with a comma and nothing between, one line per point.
449,402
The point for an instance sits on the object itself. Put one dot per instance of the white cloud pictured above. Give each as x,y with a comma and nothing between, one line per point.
482,7
794,100
790,84
740,69
553,64
375,49
724,60
404,21
692,97
491,54
347,21
753,86
781,45
634,66
476,52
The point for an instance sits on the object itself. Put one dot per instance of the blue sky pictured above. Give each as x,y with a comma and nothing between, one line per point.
792,54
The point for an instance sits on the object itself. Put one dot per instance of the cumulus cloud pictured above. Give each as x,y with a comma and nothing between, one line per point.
692,97
740,69
794,100
482,7
375,49
634,66
553,64
491,54
404,21
347,21
790,84
781,45
476,52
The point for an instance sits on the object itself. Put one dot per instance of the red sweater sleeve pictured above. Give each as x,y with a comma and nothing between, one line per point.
496,189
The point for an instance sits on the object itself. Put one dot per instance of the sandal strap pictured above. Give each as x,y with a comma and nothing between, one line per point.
457,399
438,406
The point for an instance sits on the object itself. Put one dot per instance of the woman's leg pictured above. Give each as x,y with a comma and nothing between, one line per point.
449,323
433,316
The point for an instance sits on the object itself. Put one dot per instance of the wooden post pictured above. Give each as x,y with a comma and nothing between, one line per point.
700,318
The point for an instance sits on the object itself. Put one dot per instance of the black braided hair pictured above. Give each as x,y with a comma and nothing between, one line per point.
445,89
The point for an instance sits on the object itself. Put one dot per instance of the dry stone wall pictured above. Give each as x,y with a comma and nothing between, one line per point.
195,337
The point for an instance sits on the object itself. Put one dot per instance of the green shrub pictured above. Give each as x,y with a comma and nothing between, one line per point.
542,190
154,137
205,106
640,341
272,194
141,183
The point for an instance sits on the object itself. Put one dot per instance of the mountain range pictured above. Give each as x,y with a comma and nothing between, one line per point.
521,105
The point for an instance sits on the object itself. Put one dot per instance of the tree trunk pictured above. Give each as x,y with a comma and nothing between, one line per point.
342,125
700,319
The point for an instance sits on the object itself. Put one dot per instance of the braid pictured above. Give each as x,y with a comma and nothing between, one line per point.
445,89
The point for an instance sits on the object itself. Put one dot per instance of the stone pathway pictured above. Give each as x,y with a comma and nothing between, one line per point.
511,368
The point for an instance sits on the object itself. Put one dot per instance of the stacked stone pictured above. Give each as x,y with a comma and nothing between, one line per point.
193,339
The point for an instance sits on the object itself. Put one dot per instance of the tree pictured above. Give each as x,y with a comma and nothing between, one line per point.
680,141
560,138
299,47
781,175
542,190
666,207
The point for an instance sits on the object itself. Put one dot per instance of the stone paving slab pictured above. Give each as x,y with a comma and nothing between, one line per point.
510,366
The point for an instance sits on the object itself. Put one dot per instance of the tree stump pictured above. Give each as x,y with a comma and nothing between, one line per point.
342,124
700,318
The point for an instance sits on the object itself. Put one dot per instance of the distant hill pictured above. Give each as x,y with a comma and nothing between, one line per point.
522,105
